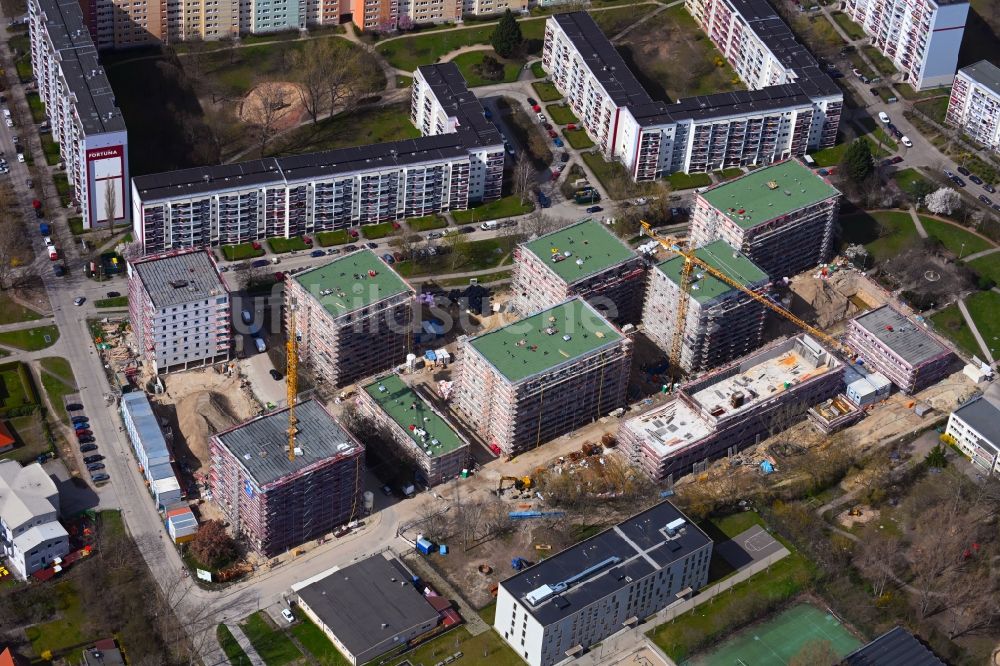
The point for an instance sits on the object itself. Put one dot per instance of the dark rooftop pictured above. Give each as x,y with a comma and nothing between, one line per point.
179,278
453,94
985,74
634,548
982,416
896,647
907,340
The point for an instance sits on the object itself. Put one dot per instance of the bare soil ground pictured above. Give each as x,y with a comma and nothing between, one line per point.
829,300
286,105
914,269
866,515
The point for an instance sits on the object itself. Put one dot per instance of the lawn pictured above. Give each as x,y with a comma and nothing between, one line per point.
32,438
56,387
852,29
60,368
65,633
37,107
613,176
578,139
907,91
30,339
935,108
315,642
75,225
12,312
561,114
63,188
346,130
427,222
50,149
984,307
408,53
913,183
13,392
613,21
950,323
273,646
470,66
834,155
487,648
547,92
508,206
959,241
988,266
114,302
281,245
538,70
235,654
884,234
480,255
241,252
328,238
687,181
381,230
729,174
883,64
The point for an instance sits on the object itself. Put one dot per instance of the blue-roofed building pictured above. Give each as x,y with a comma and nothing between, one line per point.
150,449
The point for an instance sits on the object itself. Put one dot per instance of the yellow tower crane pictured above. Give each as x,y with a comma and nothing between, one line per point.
675,245
292,378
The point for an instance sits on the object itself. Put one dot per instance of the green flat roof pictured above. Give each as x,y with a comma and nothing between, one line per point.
797,187
524,348
351,283
719,255
591,246
407,409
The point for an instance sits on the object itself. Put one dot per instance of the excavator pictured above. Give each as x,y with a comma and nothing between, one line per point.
517,482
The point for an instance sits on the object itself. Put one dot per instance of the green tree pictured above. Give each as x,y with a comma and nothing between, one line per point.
506,36
858,162
936,457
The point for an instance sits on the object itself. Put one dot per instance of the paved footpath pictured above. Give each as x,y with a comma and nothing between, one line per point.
975,331
241,638
979,255
917,223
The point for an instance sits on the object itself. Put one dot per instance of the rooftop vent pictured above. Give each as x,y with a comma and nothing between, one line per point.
772,185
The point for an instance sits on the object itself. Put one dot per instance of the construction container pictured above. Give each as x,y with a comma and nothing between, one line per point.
443,549
369,500
424,546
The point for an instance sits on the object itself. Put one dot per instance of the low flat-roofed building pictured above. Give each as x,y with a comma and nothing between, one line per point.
584,259
367,608
896,647
975,427
31,536
580,596
151,450
353,317
422,431
905,352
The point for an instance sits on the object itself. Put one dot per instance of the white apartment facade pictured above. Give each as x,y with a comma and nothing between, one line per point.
921,37
975,428
490,7
80,105
31,537
180,311
974,106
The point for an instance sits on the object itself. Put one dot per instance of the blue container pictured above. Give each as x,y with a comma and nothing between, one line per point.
424,546
443,549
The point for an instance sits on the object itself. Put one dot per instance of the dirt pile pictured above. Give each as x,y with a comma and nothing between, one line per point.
201,415
828,303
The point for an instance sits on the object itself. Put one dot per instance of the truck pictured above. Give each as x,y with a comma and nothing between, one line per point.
44,228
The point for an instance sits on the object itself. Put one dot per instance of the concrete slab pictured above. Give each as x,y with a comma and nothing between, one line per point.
641,656
747,547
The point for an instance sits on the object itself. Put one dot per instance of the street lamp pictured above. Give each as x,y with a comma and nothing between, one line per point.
962,251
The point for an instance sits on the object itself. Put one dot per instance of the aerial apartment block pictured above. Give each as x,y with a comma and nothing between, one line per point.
352,317
542,376
576,598
31,536
584,259
921,37
420,430
908,354
732,407
493,7
782,217
974,107
334,189
975,429
720,322
791,108
179,310
80,106
276,503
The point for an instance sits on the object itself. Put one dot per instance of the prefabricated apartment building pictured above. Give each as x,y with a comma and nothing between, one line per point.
733,407
276,503
790,107
542,376
448,168
420,430
352,317
584,259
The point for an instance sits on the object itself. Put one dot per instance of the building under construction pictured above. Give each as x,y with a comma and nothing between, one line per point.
420,430
353,317
276,503
909,355
583,259
540,377
782,217
720,322
179,310
733,407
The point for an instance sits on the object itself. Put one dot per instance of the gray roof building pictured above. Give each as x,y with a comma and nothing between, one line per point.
985,74
179,278
910,343
896,647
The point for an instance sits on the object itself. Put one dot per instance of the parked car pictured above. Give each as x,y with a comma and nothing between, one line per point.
435,234
896,132
279,276
965,172
975,179
536,108
541,118
906,142
84,448
114,294
466,230
371,246
989,188
287,614
532,101
93,467
317,253
896,160
350,248
275,375
83,433
594,209
86,440
93,459
552,134
74,407
948,174
557,142
333,250
79,300
388,258
79,419
99,478
856,72
59,270
564,158
387,491
958,181
547,126
986,200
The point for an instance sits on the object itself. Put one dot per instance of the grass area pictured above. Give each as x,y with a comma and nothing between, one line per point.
58,385
30,339
427,222
882,63
63,188
346,130
13,392
852,29
479,255
687,181
381,230
328,238
408,53
75,225
12,312
37,106
32,438
834,155
984,308
547,92
613,21
613,176
235,654
883,234
538,70
489,278
403,81
578,139
66,633
273,646
470,64
912,182
280,245
312,638
561,114
486,648
950,323
729,174
507,206
115,302
50,149
241,252
936,108
957,240
988,266
907,91
60,368
859,63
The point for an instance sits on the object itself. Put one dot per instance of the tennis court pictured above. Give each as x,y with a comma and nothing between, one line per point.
776,641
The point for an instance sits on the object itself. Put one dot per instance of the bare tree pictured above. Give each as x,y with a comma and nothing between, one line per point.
458,248
350,76
537,223
268,107
878,557
523,173
311,64
111,205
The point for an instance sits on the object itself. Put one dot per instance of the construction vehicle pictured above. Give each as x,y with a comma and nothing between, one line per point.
676,246
517,482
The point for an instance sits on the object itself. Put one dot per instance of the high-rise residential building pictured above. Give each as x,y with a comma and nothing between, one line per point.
80,106
566,603
179,310
781,217
921,37
905,352
31,536
584,259
720,322
274,502
492,7
733,407
974,107
337,189
792,105
542,376
352,317
975,429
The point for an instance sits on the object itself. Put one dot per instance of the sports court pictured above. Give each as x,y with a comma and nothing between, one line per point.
776,641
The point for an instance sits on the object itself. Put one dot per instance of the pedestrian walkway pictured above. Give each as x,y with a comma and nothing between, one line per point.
244,642
980,255
917,223
975,331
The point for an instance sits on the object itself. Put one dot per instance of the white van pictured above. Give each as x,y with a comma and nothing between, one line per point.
261,346
489,226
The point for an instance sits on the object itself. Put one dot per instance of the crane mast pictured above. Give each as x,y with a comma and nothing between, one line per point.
292,379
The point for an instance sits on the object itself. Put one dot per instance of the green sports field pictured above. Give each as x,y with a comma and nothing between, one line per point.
776,641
